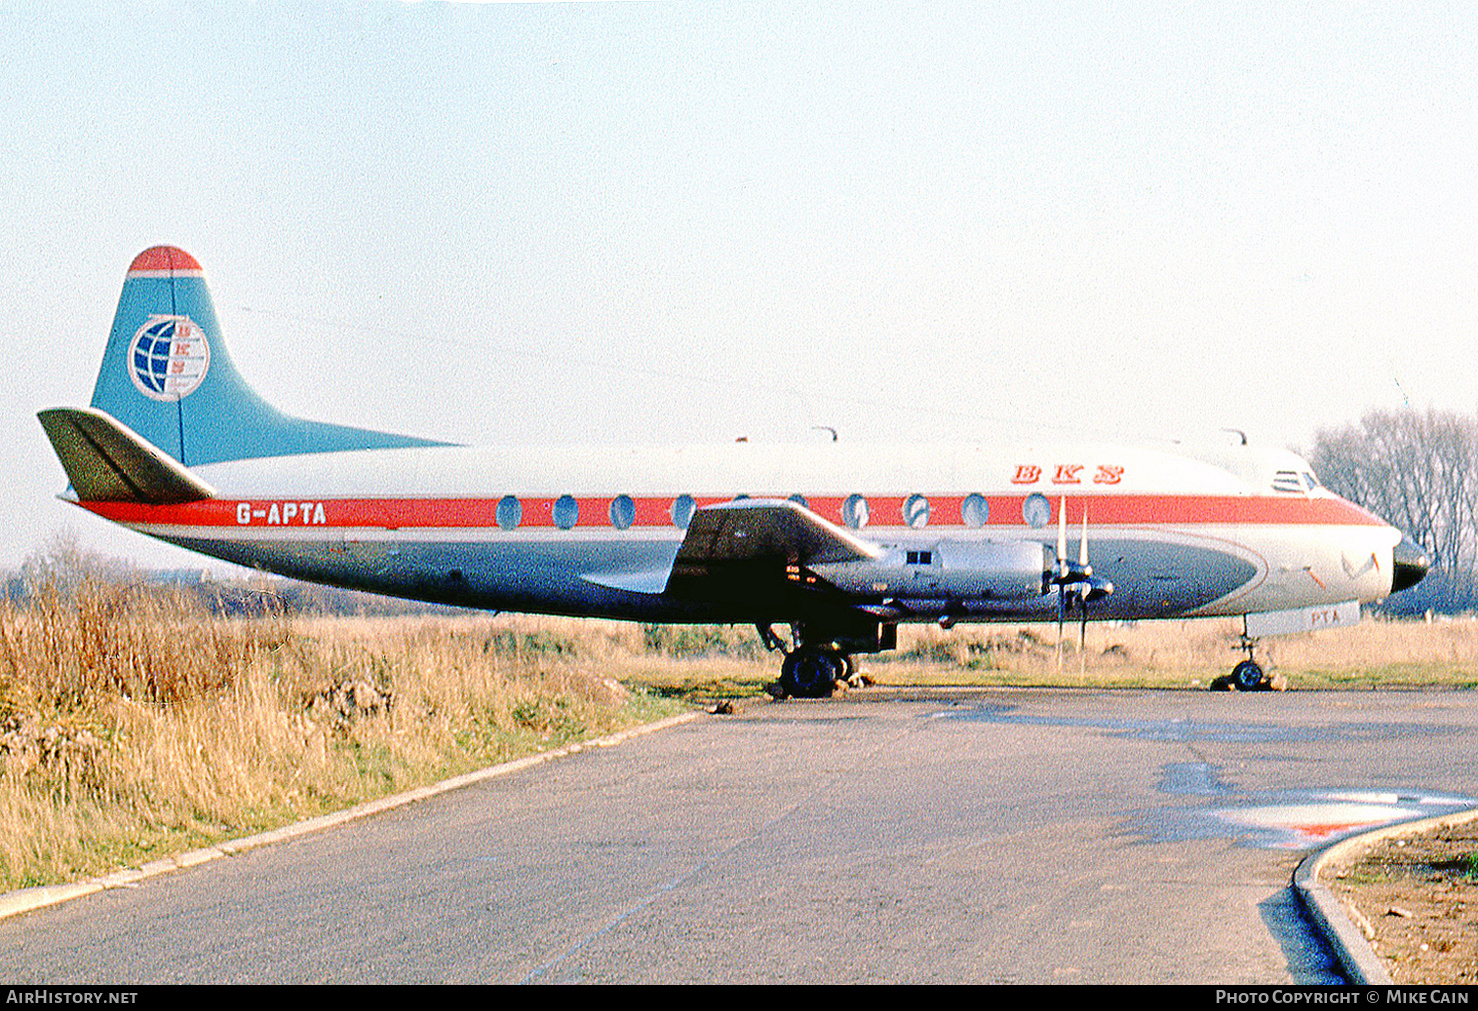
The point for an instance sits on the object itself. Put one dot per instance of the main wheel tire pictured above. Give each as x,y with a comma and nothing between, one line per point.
1248,676
810,673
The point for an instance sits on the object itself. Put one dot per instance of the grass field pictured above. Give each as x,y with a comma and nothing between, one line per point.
136,723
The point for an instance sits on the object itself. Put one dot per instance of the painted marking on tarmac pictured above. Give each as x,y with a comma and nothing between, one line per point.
1287,819
1302,822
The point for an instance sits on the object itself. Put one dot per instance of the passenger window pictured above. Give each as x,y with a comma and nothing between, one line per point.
975,510
854,512
566,512
800,500
1036,510
682,511
916,511
510,512
623,512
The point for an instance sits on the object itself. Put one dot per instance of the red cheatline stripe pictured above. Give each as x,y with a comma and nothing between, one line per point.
655,511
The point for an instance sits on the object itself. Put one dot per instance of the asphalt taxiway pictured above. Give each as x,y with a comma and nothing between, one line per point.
887,836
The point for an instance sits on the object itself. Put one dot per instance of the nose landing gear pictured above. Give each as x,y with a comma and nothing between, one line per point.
1248,675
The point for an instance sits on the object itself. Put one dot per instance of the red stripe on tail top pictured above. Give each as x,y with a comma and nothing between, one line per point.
158,260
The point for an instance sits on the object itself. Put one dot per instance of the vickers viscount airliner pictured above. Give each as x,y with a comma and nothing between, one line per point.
840,542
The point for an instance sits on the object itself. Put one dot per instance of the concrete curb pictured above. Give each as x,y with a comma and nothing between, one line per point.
27,899
1349,943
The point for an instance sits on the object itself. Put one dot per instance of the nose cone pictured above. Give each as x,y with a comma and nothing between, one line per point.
1411,564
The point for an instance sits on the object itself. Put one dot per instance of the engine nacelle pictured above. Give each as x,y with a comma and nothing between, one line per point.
953,570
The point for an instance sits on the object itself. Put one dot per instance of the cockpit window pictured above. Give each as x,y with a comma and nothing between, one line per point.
1288,480
1299,482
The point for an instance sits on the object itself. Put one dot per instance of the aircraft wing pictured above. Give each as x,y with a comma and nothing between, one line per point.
732,546
108,462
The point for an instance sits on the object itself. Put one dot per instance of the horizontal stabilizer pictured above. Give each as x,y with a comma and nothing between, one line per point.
108,462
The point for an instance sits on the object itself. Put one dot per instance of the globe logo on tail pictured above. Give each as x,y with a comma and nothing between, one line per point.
168,357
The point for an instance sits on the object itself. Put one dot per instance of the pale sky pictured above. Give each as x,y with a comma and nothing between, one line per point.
651,222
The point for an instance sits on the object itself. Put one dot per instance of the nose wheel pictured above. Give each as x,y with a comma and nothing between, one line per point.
1248,675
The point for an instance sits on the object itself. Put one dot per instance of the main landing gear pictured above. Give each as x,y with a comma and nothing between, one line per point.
812,668
812,672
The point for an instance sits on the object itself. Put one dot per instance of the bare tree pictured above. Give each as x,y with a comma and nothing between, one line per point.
1420,472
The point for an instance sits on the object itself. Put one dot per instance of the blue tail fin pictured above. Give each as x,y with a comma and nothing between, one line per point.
166,374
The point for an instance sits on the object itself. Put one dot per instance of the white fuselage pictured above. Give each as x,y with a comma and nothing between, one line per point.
594,530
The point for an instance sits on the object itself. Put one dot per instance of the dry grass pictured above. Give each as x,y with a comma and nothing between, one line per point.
133,723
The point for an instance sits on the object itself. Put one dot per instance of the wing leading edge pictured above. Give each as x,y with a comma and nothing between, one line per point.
732,545
733,549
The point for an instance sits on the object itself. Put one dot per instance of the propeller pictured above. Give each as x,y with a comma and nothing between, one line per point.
1077,587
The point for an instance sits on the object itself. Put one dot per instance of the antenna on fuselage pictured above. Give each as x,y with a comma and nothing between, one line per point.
827,428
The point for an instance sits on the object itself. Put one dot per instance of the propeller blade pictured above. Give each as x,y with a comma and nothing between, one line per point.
1085,589
1083,641
1062,535
1083,544
1061,607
